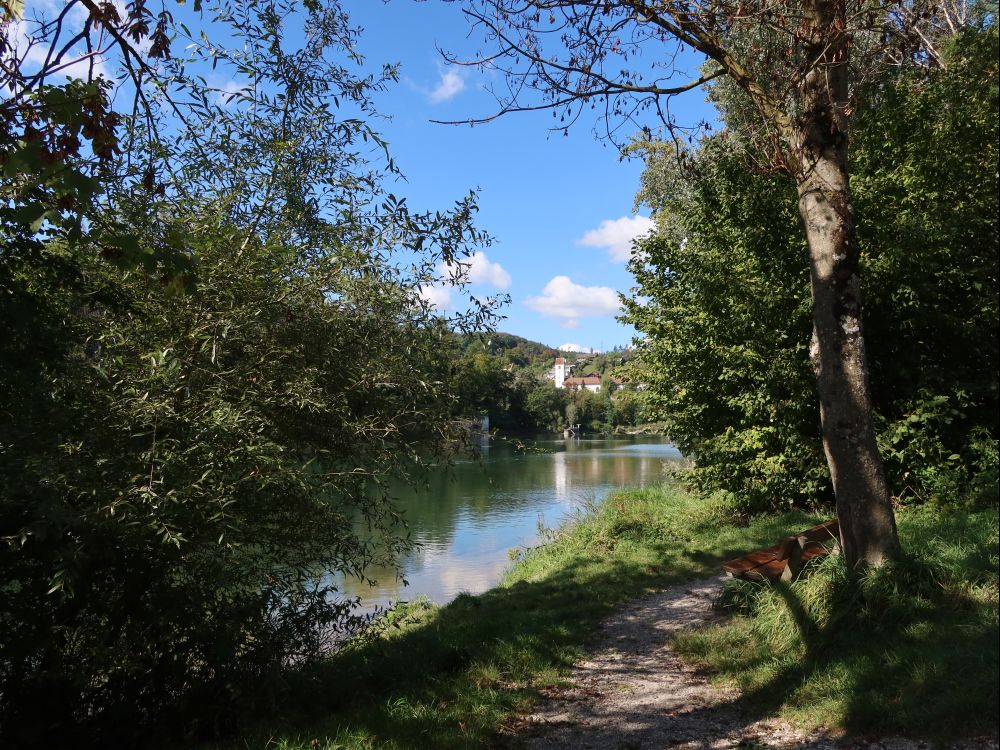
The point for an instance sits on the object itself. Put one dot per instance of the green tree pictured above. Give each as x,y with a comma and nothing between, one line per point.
727,327
481,385
627,408
547,406
591,409
795,63
187,470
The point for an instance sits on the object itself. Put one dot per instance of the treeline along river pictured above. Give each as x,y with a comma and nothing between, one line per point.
469,517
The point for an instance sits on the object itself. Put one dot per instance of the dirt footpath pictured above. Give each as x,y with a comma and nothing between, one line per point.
633,692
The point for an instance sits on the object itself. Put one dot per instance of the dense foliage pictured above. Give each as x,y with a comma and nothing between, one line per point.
190,462
181,482
505,377
513,350
723,295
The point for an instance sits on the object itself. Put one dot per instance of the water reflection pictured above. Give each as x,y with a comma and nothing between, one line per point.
467,519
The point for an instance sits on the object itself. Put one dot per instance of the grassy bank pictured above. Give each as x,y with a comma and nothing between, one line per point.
911,648
455,676
920,649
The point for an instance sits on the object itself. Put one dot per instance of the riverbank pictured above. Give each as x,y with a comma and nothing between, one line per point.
463,674
467,517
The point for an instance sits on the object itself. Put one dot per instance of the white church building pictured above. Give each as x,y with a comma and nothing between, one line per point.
560,371
560,375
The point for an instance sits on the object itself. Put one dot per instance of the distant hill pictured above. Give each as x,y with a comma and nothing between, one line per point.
608,363
538,358
523,353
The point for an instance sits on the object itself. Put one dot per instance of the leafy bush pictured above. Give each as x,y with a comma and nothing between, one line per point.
189,462
181,484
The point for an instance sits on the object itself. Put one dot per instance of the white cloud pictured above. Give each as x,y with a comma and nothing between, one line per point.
617,234
573,348
450,86
475,269
437,296
561,298
484,271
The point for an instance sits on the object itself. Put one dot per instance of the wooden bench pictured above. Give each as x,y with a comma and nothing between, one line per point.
783,561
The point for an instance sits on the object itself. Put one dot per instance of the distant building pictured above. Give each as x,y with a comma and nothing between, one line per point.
588,382
560,376
559,372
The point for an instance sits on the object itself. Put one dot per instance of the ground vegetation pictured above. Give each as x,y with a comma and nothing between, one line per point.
464,675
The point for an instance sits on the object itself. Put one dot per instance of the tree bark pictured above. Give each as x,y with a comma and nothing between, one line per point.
867,525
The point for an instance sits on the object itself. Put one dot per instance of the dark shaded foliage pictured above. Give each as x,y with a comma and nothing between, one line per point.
727,327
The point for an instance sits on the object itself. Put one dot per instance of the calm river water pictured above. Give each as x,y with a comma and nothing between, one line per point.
468,520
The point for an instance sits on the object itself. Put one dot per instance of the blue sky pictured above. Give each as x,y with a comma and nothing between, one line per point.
560,207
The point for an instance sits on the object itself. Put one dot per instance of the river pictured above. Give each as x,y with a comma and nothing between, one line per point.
469,518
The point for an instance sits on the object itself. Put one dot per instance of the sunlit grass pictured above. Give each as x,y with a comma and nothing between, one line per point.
909,648
459,675
912,649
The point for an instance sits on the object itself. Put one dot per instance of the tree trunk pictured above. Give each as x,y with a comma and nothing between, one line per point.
867,525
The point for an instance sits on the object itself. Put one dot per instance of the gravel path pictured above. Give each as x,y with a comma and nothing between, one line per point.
633,692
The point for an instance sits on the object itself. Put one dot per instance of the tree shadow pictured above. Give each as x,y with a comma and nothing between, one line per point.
928,671
470,666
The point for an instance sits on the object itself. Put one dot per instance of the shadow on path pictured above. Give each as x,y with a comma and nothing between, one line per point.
634,692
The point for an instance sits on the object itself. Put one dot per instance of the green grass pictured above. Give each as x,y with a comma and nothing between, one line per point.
457,676
911,648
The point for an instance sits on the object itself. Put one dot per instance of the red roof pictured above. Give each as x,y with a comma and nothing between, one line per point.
588,380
